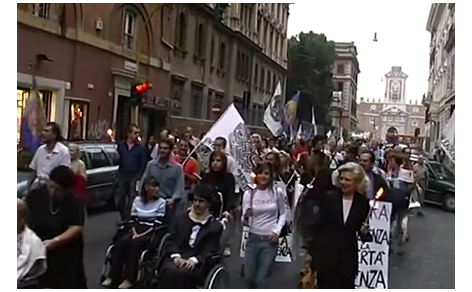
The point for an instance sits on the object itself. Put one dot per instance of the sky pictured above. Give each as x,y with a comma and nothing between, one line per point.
401,33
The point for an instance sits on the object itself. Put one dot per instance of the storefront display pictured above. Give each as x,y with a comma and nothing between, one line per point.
77,120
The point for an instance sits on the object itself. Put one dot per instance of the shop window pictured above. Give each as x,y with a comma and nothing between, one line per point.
22,96
77,120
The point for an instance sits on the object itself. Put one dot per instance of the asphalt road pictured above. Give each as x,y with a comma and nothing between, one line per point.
427,264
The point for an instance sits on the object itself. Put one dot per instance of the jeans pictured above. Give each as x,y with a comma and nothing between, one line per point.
399,226
259,256
125,194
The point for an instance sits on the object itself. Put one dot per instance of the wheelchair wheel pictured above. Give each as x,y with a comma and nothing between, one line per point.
106,264
217,278
162,245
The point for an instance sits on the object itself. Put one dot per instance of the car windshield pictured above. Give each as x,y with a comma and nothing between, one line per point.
443,172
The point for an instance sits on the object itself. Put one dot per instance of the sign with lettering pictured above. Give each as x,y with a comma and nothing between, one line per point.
284,253
373,256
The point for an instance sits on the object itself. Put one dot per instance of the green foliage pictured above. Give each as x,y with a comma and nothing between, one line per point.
310,63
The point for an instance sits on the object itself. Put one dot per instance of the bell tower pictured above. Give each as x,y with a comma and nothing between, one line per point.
395,86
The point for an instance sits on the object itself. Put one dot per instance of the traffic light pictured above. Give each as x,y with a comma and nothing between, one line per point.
138,92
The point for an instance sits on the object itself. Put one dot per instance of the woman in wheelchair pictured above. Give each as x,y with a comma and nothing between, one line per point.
194,239
147,211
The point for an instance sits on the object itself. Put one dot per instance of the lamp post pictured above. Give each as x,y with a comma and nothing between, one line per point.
337,108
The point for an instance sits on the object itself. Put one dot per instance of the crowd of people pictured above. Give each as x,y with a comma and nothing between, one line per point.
163,184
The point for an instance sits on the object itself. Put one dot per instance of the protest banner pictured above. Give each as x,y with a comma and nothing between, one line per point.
284,252
373,256
230,126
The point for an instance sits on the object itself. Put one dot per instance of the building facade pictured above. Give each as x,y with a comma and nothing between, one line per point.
440,98
393,114
345,72
82,59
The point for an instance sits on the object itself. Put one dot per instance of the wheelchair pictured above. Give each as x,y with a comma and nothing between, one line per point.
148,258
215,273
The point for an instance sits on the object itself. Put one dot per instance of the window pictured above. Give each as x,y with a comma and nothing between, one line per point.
256,74
182,31
42,10
97,157
177,91
128,32
262,79
372,121
373,107
222,60
340,69
200,51
197,100
212,52
415,109
414,123
340,86
268,83
77,120
112,153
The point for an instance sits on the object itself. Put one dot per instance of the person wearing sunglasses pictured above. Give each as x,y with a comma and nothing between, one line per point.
57,218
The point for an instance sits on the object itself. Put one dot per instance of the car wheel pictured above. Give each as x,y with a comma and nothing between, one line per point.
449,203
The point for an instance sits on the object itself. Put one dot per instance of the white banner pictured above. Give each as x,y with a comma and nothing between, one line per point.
273,113
284,253
373,256
231,126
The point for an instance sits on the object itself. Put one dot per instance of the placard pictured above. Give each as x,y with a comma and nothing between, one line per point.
373,256
284,252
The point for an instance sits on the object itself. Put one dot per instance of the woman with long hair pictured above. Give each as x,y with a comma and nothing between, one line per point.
58,219
146,211
341,217
264,213
224,182
282,174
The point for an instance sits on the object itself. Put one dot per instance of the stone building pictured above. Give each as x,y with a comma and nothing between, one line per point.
345,71
83,58
392,114
440,99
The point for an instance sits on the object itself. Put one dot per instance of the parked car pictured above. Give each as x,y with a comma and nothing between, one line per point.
100,160
441,189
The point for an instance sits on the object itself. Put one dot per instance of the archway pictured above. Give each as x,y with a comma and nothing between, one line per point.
392,131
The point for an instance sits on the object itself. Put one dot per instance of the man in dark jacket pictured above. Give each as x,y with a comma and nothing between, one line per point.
367,161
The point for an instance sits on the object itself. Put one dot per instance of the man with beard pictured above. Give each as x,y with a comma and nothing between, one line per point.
168,173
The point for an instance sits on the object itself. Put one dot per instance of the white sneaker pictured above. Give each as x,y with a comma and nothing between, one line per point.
227,252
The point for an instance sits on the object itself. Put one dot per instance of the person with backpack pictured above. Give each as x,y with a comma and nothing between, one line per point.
264,212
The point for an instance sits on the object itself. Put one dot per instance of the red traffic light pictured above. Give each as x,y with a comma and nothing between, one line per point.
142,87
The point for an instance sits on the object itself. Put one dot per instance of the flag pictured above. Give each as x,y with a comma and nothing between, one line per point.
232,127
273,114
306,129
33,120
291,114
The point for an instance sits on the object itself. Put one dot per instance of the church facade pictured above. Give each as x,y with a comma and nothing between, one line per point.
393,114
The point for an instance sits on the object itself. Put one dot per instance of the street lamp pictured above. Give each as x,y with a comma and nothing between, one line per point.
337,107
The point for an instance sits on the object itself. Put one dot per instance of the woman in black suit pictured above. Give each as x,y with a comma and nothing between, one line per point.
342,216
194,237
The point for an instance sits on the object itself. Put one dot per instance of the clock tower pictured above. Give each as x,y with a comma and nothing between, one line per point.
395,85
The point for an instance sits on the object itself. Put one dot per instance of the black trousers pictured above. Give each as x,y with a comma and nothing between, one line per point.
335,281
125,257
173,277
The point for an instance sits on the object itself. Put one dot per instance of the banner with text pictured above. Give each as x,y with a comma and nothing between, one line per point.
373,256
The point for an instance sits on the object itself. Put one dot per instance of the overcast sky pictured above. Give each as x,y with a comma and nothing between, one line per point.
401,32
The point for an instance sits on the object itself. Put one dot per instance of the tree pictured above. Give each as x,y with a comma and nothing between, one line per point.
310,63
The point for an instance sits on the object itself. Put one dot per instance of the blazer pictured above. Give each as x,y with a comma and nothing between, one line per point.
206,244
334,247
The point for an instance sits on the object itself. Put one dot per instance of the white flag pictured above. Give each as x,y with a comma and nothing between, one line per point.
274,112
313,122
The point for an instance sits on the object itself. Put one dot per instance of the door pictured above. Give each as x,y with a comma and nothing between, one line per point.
123,117
100,178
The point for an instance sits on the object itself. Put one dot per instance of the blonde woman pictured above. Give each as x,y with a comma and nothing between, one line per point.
340,218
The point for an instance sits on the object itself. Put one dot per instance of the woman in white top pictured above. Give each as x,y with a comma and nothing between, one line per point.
264,213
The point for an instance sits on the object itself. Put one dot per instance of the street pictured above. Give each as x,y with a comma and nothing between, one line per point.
427,264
